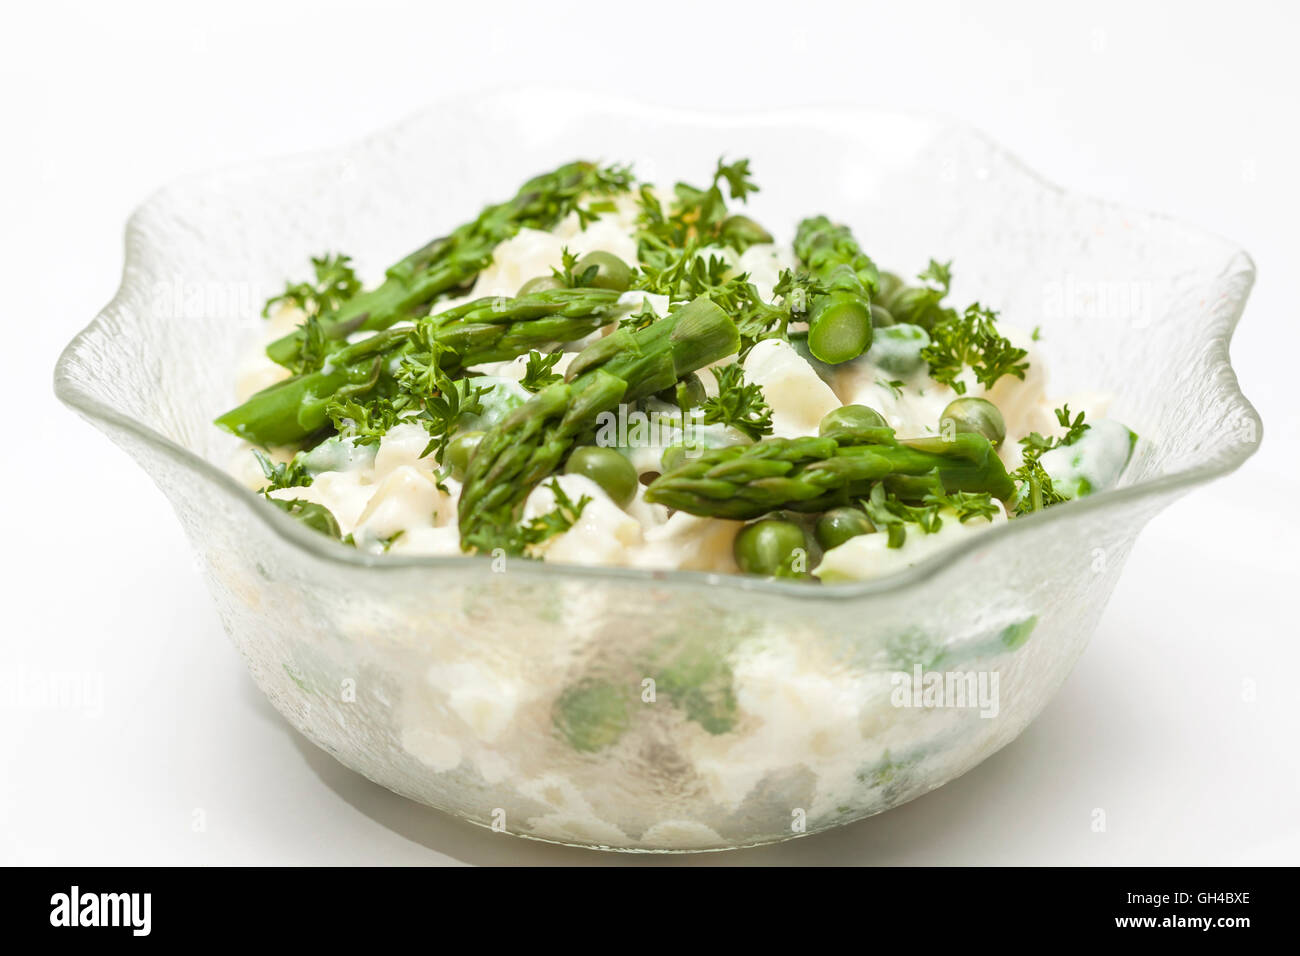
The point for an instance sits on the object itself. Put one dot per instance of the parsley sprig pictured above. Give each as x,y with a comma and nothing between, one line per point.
539,372
1036,491
365,423
685,273
290,474
668,241
566,275
971,339
313,348
695,214
893,515
336,282
758,319
542,212
937,276
420,391
519,539
738,404
1035,444
441,401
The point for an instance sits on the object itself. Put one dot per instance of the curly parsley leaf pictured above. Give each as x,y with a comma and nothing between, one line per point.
539,372
313,348
1035,444
545,212
738,404
290,474
1074,429
517,539
1035,484
364,423
336,282
444,411
887,511
696,216
738,178
672,245
937,276
966,504
685,273
429,395
971,340
566,276
795,291
1035,490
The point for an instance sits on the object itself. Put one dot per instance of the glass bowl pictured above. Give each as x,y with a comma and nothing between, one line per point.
667,711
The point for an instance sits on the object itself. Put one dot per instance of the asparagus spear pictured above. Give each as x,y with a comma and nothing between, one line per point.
816,474
485,330
839,319
453,261
533,440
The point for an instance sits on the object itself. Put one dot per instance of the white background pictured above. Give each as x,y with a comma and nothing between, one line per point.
1184,108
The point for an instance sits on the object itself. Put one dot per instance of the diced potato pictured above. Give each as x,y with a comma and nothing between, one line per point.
799,398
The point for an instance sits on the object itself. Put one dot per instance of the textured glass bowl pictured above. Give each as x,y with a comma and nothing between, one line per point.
439,677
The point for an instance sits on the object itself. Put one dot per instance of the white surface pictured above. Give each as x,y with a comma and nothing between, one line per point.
1179,721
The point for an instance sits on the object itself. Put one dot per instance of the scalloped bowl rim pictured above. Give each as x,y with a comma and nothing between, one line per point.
71,391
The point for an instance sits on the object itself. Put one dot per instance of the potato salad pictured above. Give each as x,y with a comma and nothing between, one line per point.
600,371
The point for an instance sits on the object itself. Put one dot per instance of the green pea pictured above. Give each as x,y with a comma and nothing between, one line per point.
881,317
839,524
888,287
611,271
974,415
540,284
607,468
459,451
772,547
897,348
850,418
741,232
839,327
917,305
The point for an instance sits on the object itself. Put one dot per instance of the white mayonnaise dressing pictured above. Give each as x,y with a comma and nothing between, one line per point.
869,555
